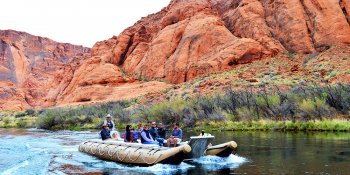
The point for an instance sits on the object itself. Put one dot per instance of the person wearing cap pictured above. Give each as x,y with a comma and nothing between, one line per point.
154,133
105,133
109,122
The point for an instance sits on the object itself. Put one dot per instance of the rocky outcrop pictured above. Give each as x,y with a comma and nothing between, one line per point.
34,70
37,72
96,81
195,37
299,26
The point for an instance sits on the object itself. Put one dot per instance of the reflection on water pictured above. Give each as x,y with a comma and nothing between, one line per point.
292,153
43,152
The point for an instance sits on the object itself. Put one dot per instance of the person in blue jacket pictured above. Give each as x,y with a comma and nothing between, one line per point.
176,135
105,133
136,136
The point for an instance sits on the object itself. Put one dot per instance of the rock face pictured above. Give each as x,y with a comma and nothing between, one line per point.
186,39
34,70
194,37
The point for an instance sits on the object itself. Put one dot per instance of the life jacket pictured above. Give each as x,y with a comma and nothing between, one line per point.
110,124
147,135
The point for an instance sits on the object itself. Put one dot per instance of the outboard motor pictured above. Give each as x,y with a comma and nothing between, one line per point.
199,145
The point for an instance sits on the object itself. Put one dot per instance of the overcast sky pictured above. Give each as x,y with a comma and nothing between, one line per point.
81,22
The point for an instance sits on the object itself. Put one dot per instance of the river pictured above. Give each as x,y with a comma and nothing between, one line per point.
33,151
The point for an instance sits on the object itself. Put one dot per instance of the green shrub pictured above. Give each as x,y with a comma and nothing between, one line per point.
21,123
291,55
20,114
333,74
7,120
245,114
47,120
30,112
246,106
307,106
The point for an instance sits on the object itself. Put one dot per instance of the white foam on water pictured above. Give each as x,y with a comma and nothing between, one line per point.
13,170
70,148
66,161
38,149
216,163
161,169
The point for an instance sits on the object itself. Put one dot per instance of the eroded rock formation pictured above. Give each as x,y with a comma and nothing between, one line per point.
194,37
186,39
34,70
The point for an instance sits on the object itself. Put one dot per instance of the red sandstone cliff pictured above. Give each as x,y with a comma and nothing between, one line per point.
186,39
193,37
34,70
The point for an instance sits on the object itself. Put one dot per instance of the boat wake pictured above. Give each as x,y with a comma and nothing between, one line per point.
158,169
161,169
217,163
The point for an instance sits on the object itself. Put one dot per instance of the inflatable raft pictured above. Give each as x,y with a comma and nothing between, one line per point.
146,155
134,153
222,150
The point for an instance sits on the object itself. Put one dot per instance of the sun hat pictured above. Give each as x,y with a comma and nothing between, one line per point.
104,125
153,123
108,115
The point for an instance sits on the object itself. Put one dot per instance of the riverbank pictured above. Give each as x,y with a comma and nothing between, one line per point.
269,125
259,125
311,108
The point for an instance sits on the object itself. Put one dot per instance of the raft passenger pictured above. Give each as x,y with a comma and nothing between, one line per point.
128,136
105,133
154,133
146,137
176,135
134,133
109,122
115,135
161,131
138,130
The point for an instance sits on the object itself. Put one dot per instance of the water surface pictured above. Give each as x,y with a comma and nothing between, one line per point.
43,152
